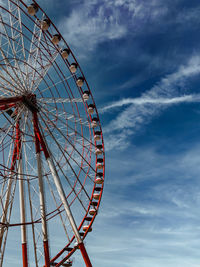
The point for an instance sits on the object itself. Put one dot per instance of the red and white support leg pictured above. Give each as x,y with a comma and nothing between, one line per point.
60,190
85,255
42,198
21,196
23,215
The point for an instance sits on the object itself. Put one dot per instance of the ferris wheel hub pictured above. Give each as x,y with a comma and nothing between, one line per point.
30,102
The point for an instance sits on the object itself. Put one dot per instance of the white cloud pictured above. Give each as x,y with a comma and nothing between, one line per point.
157,101
141,110
94,22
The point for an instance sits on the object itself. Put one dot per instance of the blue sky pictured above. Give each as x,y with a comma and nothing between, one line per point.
142,62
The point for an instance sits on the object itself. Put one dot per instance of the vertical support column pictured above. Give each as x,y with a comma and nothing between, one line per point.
21,195
23,215
43,210
42,199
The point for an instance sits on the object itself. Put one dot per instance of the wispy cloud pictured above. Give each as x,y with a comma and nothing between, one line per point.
157,101
94,22
140,111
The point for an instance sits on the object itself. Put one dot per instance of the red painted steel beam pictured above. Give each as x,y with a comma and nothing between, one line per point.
38,136
3,107
85,255
46,254
10,100
24,255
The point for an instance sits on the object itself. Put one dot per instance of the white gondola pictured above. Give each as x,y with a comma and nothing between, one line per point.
65,53
32,9
97,136
94,122
86,96
80,81
96,196
98,150
99,166
92,211
87,228
56,39
98,180
68,263
45,24
73,67
90,109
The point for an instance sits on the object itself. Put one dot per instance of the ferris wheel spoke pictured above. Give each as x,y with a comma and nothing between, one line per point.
82,141
69,182
6,134
14,59
16,24
8,50
56,83
10,178
58,208
6,171
16,41
76,194
9,83
63,199
8,204
69,116
7,214
74,131
41,56
73,171
62,124
11,127
69,142
64,152
5,91
61,100
62,116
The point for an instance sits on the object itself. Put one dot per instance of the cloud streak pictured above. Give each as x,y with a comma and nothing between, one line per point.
142,110
156,101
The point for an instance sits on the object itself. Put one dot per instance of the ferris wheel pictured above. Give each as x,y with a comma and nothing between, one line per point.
52,157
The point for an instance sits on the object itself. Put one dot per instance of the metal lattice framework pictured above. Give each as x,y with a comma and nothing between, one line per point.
51,145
